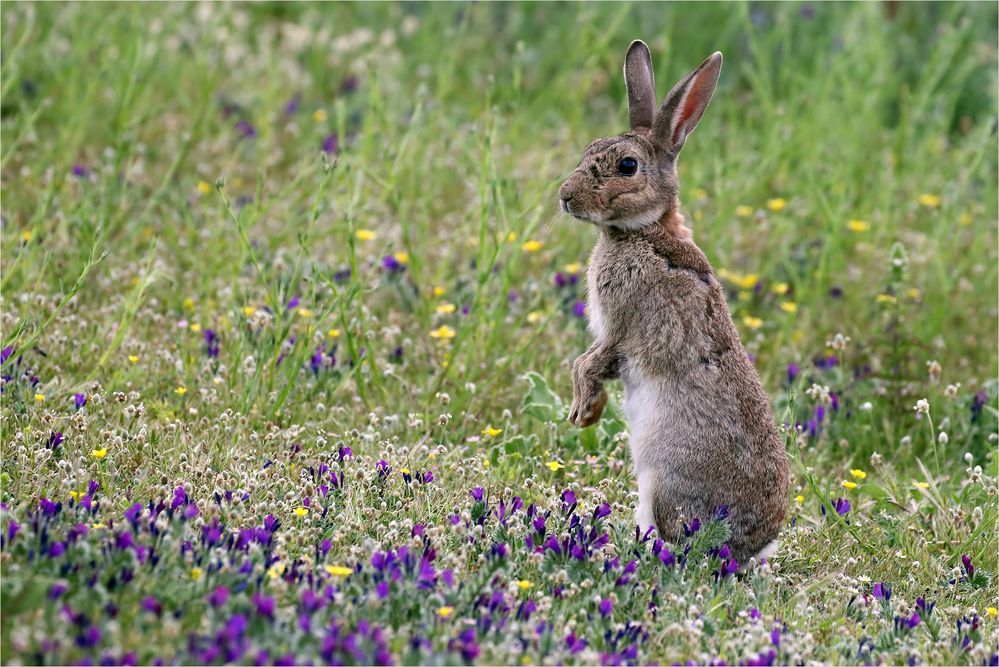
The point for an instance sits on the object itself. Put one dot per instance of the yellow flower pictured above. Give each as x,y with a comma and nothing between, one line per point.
445,308
98,526
745,295
747,281
99,453
39,397
276,570
533,246
789,307
180,391
511,237
492,432
439,291
333,333
800,500
443,332
573,268
404,471
776,204
743,211
848,485
339,570
204,187
319,115
554,466
444,612
700,193
780,289
523,584
76,495
301,511
134,358
189,303
196,328
991,612
305,313
929,201
921,485
533,317
858,474
402,257
913,294
885,298
858,226
365,235
965,219
249,310
26,235
196,573
752,322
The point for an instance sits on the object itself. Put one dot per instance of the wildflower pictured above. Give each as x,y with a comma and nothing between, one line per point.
26,235
333,333
743,211
533,246
446,308
523,584
921,485
304,313
276,570
842,506
858,226
881,591
929,201
443,332
922,407
401,256
780,289
554,466
752,322
180,391
747,281
776,204
99,453
331,143
249,310
301,511
533,317
79,400
39,397
338,570
579,309
846,484
492,432
967,564
573,268
444,612
319,115
365,235
935,370
789,307
204,187
511,237
133,358
196,328
605,607
196,573
799,500
246,129
858,474
439,291
991,612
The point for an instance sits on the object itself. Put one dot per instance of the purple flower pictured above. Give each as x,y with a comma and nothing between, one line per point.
211,343
12,528
882,591
218,597
666,557
91,637
925,607
80,400
601,511
350,84
560,280
246,129
568,499
842,506
775,636
605,607
5,354
763,659
969,567
152,605
55,439
79,170
579,309
292,106
123,540
264,605
792,372
476,494
133,512
57,590
179,497
907,623
331,144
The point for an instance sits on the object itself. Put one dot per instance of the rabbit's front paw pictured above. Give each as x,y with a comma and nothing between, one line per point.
587,408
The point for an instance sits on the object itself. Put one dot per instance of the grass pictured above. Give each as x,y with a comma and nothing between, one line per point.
288,311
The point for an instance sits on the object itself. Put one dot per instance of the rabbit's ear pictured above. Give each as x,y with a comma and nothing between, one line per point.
641,85
685,104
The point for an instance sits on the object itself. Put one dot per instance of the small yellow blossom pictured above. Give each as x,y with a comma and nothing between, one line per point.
276,570
745,295
439,291
492,432
404,471
533,246
780,289
554,466
204,187
858,474
180,391
523,584
319,115
76,495
338,570
446,308
39,397
965,219
365,235
743,211
776,204
913,294
747,281
189,303
885,298
858,226
402,257
443,332
991,612
929,201
848,485
789,307
196,328
511,237
333,333
533,317
301,511
800,500
573,268
249,310
134,358
99,453
304,313
196,573
98,526
26,235
444,612
752,322
921,485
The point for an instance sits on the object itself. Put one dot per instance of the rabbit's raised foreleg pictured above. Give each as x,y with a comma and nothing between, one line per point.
589,371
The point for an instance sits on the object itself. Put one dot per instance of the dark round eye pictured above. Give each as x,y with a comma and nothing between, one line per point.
628,166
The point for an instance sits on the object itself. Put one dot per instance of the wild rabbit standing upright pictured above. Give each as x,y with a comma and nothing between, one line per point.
701,430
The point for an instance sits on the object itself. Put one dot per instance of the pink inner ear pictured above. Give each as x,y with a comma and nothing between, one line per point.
692,108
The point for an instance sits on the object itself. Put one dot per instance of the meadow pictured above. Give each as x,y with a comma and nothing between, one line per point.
289,311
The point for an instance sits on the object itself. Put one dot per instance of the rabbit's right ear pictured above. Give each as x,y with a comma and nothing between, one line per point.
641,85
685,104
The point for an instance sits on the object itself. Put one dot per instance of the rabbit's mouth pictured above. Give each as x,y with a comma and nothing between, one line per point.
566,207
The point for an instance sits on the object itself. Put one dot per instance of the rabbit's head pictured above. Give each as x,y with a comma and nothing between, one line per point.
630,180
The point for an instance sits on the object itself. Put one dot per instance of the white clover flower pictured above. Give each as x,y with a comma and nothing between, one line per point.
951,390
943,438
838,342
866,406
922,407
935,369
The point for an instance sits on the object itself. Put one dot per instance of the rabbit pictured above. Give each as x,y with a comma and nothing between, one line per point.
702,433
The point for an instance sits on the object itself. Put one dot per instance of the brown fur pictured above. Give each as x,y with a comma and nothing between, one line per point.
702,431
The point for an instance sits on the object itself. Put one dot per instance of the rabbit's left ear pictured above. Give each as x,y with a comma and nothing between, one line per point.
639,80
685,104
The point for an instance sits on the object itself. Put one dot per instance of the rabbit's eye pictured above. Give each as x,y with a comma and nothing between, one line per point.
627,166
